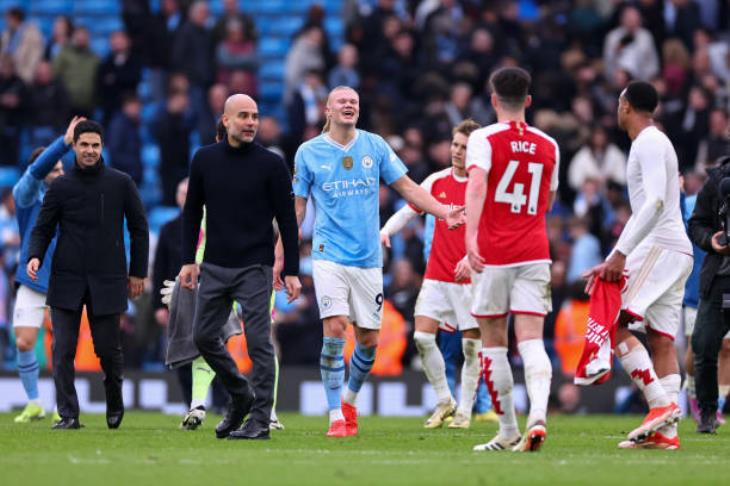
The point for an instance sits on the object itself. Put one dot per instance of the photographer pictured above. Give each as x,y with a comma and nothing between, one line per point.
708,229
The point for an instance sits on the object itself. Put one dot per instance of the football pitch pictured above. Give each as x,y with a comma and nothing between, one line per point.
150,449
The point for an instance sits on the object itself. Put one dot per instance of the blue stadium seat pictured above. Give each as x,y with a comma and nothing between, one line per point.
151,155
51,7
274,47
271,70
286,25
271,91
9,176
100,46
160,215
97,7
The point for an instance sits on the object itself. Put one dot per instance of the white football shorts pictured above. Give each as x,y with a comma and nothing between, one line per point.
353,292
446,302
30,308
655,288
522,289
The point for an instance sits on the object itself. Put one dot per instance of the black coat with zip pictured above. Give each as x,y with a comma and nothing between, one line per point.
88,206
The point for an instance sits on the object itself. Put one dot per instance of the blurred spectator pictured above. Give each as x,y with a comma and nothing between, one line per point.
682,19
13,99
716,143
306,108
157,35
590,203
676,61
172,127
76,67
269,135
304,56
23,42
462,105
442,33
598,159
481,53
695,125
49,106
231,12
168,256
586,250
193,53
403,288
345,72
237,52
118,75
217,95
124,141
63,28
631,47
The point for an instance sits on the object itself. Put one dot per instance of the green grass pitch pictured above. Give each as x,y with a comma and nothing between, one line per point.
150,449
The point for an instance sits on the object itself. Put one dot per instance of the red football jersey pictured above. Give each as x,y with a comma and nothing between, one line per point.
522,169
447,246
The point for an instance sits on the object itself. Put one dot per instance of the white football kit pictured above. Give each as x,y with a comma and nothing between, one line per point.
659,253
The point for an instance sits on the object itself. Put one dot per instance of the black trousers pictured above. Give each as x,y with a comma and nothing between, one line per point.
711,326
251,287
106,336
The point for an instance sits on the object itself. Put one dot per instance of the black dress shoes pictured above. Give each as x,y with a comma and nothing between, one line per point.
251,431
708,422
237,410
67,423
114,418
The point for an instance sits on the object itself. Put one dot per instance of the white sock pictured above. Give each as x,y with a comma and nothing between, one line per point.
349,396
273,416
723,390
538,373
671,385
433,364
335,415
641,370
498,377
469,374
197,403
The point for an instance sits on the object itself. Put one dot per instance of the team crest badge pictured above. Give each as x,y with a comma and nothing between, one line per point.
347,162
367,162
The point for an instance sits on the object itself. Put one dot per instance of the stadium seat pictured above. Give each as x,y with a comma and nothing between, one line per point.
97,7
160,215
274,47
272,70
51,7
151,155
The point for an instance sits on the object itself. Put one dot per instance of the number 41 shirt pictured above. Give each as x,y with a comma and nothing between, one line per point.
522,170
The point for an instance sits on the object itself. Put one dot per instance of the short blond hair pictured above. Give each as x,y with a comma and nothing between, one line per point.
465,127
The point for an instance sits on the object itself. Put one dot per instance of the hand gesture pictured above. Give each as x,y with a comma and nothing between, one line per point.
385,239
463,270
136,286
189,276
476,261
456,217
293,287
719,247
68,137
32,268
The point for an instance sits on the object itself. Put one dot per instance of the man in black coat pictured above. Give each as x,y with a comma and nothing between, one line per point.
88,206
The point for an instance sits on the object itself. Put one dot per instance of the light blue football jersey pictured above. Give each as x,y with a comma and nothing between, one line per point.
343,182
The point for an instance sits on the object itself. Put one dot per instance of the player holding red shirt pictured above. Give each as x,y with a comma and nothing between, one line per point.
513,176
446,291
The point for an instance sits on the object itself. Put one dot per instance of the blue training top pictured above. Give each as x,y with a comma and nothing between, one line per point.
692,287
343,182
28,194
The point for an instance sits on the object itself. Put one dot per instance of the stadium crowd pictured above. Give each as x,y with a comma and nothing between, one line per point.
421,67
